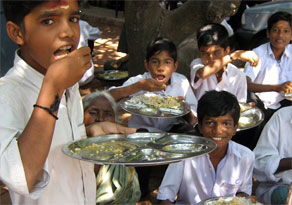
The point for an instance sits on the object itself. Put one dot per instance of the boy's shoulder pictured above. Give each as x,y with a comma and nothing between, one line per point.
241,151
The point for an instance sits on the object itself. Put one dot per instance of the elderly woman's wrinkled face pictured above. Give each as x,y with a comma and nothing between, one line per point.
100,110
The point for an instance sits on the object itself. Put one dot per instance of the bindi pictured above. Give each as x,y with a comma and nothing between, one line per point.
63,4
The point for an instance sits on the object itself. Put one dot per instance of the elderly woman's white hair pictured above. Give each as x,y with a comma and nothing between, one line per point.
88,99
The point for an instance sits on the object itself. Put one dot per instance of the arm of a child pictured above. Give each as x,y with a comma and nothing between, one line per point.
285,87
248,56
165,202
149,84
285,164
102,128
35,141
213,67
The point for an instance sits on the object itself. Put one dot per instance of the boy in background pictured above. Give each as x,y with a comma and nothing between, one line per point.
213,70
227,171
273,74
161,64
41,106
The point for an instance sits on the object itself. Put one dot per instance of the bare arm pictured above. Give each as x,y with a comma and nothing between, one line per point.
35,141
285,164
255,87
216,65
149,84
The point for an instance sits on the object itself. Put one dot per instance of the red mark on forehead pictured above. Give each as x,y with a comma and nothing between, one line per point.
57,4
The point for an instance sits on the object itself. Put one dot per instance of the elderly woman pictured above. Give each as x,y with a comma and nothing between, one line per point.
115,183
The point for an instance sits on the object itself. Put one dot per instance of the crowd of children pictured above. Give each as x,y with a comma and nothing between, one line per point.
42,110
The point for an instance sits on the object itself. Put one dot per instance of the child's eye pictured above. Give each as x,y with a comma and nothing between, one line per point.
108,114
93,113
74,19
47,21
227,124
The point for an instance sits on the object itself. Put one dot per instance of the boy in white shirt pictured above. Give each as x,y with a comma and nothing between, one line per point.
227,171
213,70
161,64
273,74
41,108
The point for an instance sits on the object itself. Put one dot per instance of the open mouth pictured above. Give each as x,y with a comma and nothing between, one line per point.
217,138
62,52
160,78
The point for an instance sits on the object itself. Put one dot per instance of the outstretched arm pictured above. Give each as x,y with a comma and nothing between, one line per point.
255,87
35,141
149,84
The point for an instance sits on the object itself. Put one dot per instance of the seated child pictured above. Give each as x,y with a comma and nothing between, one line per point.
88,35
115,183
227,171
273,74
213,70
161,64
273,158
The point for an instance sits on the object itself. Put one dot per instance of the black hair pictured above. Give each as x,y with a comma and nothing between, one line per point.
218,103
279,16
16,10
212,34
161,44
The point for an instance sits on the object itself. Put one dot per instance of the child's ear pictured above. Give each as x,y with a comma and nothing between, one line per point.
235,129
175,66
227,50
268,33
146,65
14,32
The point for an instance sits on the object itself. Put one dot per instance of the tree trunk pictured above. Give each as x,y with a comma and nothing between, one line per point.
146,20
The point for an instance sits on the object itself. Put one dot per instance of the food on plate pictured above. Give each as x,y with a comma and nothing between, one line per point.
157,101
113,75
228,201
104,150
245,121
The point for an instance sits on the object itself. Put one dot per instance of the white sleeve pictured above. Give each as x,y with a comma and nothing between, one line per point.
171,182
195,66
267,157
11,169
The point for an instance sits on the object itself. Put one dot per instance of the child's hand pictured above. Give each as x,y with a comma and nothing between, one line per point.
249,56
68,70
151,84
285,87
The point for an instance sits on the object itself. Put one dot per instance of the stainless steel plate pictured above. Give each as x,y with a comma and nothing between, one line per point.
229,200
113,75
139,149
142,105
250,118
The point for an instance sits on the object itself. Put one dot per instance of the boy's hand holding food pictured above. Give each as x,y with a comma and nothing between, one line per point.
68,70
243,55
151,84
285,87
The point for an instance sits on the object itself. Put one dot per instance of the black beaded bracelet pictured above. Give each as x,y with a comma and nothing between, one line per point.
50,111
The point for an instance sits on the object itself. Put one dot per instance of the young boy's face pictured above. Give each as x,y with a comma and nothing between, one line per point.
161,66
280,34
219,129
100,110
51,32
212,52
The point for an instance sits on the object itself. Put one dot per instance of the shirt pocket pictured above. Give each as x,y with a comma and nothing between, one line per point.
227,189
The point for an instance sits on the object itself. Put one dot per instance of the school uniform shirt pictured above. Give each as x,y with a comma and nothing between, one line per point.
275,143
194,180
64,180
179,86
270,71
233,81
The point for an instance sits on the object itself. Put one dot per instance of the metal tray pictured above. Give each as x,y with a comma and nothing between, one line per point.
250,118
139,149
113,75
230,200
142,107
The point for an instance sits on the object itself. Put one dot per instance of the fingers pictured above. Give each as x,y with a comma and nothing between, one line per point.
103,128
